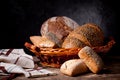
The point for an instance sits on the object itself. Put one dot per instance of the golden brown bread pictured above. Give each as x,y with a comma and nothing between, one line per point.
57,28
90,34
91,59
73,67
42,41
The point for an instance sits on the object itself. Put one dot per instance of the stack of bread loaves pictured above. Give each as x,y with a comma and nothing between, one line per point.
88,60
53,31
62,38
63,32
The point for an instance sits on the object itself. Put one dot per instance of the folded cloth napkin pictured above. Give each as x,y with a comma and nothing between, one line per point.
38,72
16,56
17,61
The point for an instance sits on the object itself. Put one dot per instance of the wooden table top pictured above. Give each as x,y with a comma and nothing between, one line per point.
111,71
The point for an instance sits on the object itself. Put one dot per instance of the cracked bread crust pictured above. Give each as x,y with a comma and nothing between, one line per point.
59,26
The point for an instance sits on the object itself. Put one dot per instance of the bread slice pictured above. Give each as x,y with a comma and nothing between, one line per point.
42,41
91,59
51,36
73,67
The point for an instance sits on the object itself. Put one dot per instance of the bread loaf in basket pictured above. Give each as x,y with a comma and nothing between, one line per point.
62,38
88,34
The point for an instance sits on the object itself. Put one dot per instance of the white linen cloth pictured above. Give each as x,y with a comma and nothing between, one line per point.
16,56
17,61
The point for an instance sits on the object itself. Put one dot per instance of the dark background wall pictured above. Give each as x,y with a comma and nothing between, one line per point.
25,17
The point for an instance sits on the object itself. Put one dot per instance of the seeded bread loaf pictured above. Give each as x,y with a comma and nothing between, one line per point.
57,28
88,34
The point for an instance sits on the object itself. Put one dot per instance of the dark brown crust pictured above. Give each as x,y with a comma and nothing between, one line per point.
55,57
56,29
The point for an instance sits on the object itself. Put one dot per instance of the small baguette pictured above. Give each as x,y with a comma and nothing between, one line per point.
73,67
91,59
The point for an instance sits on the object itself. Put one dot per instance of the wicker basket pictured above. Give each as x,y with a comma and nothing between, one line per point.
55,57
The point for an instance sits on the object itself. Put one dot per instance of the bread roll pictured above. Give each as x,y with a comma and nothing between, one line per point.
72,42
58,27
42,41
90,34
73,67
91,59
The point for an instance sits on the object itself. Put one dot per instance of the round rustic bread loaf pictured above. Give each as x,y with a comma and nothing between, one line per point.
86,35
57,28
